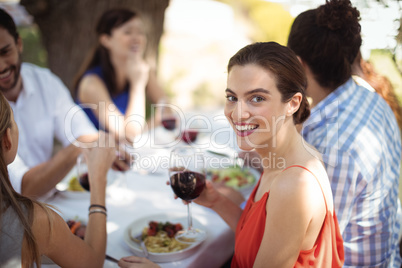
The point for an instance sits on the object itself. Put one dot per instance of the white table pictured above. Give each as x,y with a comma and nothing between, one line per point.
147,195
144,194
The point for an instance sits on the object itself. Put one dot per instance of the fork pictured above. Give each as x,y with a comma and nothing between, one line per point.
138,240
110,258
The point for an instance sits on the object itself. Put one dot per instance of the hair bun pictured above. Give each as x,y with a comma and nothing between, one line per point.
337,15
342,20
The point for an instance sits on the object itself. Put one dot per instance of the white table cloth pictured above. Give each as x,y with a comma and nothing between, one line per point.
142,192
146,195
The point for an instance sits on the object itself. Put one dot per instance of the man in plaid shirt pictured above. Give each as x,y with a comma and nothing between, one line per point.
356,132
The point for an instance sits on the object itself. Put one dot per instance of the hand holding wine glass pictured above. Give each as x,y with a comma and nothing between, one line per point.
187,179
93,163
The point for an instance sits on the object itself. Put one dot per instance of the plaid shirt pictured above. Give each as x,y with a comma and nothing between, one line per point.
359,138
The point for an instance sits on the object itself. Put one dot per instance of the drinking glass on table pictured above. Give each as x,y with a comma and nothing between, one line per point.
189,135
82,172
166,115
187,179
169,121
119,190
169,118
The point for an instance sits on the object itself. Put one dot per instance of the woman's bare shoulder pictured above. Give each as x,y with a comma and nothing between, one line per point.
90,85
46,223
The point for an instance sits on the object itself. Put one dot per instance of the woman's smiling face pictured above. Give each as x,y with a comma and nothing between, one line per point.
254,106
129,38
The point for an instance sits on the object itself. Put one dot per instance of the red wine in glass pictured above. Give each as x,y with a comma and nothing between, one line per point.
84,181
169,123
187,185
189,135
187,179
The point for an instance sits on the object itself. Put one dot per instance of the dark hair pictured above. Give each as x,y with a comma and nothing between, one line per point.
7,22
284,65
327,39
109,20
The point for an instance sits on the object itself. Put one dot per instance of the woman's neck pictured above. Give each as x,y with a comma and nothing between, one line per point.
119,66
279,153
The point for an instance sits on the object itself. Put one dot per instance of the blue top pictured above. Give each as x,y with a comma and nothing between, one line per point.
120,100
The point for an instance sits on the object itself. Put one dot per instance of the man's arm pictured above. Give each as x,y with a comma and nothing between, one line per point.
40,179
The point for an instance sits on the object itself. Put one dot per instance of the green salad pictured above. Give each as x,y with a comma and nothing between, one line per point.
234,176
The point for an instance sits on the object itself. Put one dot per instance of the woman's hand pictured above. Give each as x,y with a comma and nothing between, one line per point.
137,70
100,158
133,261
209,196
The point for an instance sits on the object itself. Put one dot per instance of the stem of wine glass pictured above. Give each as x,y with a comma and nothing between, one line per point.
189,217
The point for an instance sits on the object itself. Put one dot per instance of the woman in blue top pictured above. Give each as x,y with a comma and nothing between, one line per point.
114,81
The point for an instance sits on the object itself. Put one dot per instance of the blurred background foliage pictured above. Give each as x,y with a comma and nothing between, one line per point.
265,21
33,50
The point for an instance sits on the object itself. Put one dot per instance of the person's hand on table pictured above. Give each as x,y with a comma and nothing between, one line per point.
133,262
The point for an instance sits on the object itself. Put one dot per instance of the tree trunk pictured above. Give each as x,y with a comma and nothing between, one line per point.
68,29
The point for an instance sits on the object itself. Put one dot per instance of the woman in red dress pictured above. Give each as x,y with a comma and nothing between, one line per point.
288,220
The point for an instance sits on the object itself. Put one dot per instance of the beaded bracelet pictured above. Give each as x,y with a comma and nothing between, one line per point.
97,206
97,211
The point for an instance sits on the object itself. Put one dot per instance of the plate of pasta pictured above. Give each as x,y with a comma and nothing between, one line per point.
157,231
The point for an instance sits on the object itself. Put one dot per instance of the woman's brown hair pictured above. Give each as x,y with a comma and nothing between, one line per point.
10,199
100,56
284,65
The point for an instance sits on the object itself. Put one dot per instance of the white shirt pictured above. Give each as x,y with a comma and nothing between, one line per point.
43,111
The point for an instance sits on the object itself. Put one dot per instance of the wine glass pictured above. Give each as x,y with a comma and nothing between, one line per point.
82,172
187,179
167,116
189,135
119,190
169,122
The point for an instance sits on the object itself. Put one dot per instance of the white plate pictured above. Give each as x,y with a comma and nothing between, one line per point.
137,226
62,186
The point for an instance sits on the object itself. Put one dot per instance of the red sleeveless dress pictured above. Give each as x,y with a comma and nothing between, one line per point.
326,252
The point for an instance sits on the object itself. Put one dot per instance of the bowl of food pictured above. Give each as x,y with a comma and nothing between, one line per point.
236,177
157,232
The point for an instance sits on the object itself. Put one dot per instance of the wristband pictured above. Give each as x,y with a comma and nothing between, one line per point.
97,206
97,211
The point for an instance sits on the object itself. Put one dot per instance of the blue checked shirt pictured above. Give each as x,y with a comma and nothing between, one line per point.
359,138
